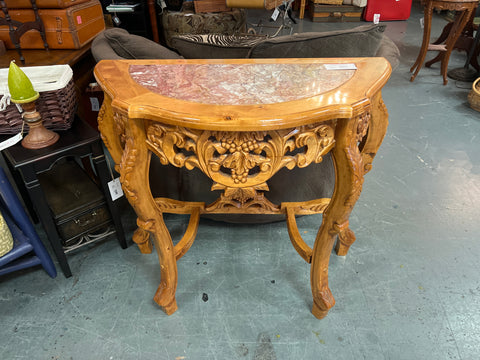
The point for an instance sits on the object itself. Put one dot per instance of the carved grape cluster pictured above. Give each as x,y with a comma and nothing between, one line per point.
245,146
239,178
240,149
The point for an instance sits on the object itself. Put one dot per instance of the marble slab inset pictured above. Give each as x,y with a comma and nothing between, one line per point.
239,84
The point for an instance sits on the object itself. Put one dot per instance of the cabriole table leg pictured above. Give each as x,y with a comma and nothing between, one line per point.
348,186
133,167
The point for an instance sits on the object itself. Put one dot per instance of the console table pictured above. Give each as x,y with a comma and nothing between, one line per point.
240,121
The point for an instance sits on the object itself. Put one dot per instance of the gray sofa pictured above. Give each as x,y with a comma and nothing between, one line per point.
361,41
193,185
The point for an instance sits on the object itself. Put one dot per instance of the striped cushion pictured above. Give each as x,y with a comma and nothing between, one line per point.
215,46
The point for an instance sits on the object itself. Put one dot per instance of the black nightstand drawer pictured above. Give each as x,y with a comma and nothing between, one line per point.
84,224
77,204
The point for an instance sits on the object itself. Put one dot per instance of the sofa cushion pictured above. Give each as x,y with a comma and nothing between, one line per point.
357,42
389,51
102,50
215,46
130,46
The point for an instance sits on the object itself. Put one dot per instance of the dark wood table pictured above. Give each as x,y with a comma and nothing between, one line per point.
464,9
81,141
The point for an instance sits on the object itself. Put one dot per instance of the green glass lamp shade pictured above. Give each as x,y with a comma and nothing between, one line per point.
19,85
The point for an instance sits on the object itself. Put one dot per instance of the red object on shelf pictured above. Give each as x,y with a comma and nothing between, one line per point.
387,10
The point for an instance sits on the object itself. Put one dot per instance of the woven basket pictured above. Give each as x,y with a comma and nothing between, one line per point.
56,104
474,95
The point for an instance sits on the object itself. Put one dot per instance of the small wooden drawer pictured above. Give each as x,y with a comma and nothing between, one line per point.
83,224
77,204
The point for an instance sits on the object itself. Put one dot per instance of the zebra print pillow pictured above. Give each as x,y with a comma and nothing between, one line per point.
215,46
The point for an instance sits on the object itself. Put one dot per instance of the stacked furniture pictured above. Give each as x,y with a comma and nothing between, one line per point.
72,209
17,28
67,24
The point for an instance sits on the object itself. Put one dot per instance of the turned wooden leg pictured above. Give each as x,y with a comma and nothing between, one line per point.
455,33
426,39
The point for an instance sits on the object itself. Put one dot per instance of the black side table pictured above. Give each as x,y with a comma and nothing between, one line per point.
80,141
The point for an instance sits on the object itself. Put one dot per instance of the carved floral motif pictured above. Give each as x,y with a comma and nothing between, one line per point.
314,208
120,121
240,159
103,119
381,112
362,126
129,158
243,200
240,153
355,158
240,163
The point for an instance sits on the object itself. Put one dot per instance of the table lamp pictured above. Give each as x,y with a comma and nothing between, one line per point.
22,92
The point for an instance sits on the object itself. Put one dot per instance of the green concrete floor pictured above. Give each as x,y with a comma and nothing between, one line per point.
408,289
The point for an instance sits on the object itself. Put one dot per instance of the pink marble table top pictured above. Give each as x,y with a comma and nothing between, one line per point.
239,84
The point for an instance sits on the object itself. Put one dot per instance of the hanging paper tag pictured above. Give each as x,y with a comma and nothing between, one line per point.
115,189
11,141
422,22
116,20
95,104
275,14
376,18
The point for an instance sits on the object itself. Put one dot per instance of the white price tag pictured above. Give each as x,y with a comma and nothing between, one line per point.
11,141
422,22
95,104
275,14
116,20
115,189
340,67
376,18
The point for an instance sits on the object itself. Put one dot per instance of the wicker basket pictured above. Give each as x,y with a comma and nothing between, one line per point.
474,95
57,102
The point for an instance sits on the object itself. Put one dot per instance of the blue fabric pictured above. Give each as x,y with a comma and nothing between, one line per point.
25,238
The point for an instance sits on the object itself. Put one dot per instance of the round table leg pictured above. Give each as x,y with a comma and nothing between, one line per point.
457,29
428,12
